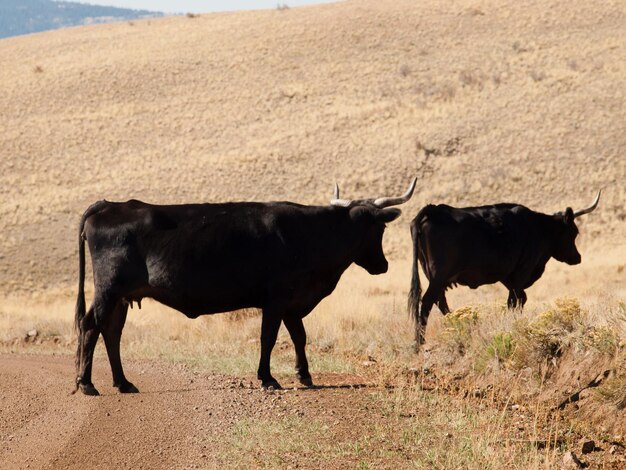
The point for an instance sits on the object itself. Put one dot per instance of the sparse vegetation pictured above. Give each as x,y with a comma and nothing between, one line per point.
459,326
472,78
537,75
543,338
500,349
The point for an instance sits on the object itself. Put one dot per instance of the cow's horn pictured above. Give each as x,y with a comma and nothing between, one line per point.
590,208
394,201
335,201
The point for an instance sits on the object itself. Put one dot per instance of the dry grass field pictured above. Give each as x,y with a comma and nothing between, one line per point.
483,101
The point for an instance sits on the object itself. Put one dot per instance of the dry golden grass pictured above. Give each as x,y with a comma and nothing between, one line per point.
280,104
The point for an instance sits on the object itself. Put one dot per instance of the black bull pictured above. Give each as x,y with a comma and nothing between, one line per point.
473,246
281,257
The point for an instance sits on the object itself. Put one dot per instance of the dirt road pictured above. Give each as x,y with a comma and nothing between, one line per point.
180,419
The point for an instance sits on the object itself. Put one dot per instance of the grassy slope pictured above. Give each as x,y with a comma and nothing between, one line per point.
522,103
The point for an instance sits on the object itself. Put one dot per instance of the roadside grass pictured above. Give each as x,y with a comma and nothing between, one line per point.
361,323
400,428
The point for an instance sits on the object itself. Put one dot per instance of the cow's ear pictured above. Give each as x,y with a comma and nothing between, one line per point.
569,215
389,215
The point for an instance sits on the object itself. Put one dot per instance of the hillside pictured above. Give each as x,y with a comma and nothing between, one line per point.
33,16
483,101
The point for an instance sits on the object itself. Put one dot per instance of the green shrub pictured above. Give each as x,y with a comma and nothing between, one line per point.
500,348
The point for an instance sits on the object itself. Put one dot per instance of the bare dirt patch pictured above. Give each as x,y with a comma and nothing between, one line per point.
180,418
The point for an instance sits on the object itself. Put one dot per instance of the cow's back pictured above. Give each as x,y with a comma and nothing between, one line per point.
472,245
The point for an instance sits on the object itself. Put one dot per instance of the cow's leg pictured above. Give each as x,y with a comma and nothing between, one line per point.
112,333
87,339
433,293
298,336
269,331
517,298
511,302
442,303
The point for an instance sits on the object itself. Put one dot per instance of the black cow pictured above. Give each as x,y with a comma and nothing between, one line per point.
281,257
472,246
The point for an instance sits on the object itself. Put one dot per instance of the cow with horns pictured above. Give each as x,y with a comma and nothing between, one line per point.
280,257
473,246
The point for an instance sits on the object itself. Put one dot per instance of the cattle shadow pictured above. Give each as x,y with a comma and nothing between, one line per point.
333,387
217,388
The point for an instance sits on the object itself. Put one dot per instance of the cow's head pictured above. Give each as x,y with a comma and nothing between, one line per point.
370,216
565,241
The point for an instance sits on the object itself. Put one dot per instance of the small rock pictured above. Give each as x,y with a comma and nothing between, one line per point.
612,450
515,407
32,333
571,461
587,446
367,363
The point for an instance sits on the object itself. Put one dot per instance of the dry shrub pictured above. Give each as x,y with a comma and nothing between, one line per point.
459,326
490,338
602,339
472,78
545,337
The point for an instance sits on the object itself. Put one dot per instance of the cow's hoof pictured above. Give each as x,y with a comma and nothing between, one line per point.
88,389
306,381
272,385
128,388
419,342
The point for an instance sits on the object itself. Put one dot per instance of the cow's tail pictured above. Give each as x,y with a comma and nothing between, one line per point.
415,292
80,300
